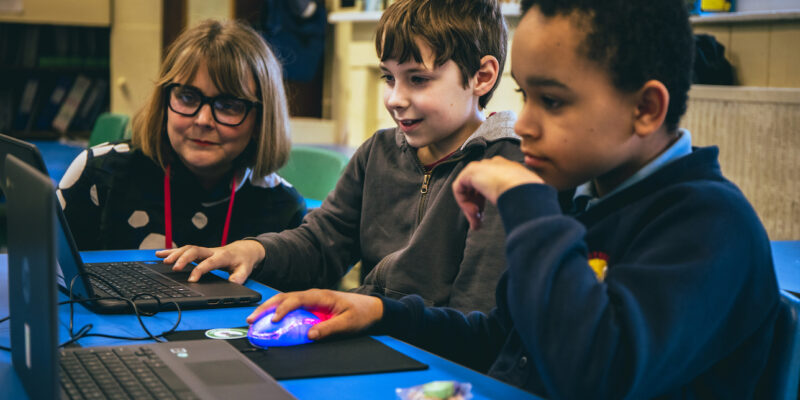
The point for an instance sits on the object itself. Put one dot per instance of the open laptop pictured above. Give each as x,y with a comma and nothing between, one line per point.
204,369
155,279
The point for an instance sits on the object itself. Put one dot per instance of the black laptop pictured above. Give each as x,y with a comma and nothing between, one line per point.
202,369
149,283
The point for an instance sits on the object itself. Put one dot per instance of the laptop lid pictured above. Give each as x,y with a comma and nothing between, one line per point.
215,291
30,155
23,150
31,278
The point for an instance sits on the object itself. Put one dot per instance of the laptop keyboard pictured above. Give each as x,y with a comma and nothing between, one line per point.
132,278
128,372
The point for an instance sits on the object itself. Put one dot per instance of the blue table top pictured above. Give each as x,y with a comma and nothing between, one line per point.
786,255
340,387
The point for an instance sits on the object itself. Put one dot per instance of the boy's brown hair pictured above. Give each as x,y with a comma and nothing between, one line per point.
460,30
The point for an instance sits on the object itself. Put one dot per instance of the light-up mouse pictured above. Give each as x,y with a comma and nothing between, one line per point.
289,331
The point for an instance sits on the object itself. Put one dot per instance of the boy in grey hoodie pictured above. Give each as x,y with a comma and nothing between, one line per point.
392,208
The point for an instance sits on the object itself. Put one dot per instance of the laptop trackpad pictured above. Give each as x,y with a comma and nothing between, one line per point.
222,373
231,379
181,276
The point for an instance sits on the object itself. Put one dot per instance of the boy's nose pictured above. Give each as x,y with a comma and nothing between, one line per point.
527,125
396,98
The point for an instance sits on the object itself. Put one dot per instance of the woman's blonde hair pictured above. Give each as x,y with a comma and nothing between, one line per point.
234,53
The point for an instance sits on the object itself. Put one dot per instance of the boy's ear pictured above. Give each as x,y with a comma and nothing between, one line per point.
652,102
486,76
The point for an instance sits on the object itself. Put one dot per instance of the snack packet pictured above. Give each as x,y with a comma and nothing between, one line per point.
436,390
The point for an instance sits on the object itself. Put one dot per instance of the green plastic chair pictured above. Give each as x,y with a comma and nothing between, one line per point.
314,171
109,127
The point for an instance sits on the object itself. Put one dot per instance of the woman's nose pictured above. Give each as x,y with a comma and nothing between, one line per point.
204,116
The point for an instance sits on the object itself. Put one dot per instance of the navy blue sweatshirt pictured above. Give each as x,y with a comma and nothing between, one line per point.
685,309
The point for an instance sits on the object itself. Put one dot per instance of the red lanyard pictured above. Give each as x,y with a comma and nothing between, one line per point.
168,212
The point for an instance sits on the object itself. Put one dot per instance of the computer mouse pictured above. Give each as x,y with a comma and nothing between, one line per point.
289,331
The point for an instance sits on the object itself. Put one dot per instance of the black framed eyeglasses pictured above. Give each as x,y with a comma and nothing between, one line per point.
226,109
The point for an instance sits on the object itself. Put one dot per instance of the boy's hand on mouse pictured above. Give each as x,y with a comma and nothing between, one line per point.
349,312
487,180
238,258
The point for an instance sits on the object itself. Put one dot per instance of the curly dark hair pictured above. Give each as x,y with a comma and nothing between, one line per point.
635,41
458,30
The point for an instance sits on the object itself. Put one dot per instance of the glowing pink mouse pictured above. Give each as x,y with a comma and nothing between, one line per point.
289,331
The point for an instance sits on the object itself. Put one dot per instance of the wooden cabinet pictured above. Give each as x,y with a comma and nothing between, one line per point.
54,79
761,45
132,48
46,48
61,12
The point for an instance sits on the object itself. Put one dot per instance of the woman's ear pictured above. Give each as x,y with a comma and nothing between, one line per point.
486,76
652,103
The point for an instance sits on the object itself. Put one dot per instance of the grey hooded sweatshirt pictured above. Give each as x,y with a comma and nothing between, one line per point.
402,223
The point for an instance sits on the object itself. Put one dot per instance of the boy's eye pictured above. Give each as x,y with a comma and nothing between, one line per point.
417,80
387,78
524,96
551,103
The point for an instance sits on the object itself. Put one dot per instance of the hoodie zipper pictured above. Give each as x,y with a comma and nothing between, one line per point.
426,181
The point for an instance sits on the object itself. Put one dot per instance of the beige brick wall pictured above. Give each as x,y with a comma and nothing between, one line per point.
758,133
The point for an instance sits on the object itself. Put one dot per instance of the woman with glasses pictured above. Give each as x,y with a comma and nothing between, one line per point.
200,168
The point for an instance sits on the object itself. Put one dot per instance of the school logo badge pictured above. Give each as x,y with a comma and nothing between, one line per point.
226,333
598,262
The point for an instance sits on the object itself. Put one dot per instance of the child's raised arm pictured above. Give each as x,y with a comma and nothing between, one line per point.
487,180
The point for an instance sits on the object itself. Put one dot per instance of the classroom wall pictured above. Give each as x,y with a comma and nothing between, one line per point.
135,53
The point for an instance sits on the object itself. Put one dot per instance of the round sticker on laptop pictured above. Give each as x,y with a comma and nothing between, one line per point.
226,333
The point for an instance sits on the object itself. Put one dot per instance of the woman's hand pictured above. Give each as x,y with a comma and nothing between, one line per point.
345,312
238,258
486,180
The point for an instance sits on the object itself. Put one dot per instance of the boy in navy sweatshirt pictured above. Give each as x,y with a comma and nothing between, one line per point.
635,269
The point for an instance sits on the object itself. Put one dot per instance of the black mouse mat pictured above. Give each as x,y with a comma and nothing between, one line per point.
345,356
